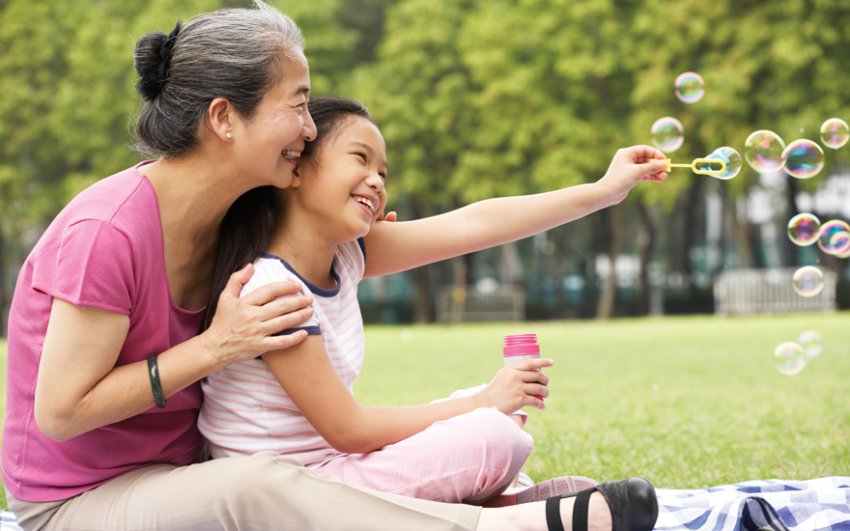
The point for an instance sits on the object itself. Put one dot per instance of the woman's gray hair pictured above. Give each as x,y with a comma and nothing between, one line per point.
236,54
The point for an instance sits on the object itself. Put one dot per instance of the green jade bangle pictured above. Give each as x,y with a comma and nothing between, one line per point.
153,372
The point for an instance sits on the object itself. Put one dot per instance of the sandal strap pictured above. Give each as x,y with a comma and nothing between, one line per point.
580,511
553,513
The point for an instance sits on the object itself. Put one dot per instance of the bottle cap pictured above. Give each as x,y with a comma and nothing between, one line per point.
521,345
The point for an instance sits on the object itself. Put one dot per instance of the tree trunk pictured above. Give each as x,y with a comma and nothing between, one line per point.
646,241
609,293
422,275
459,290
739,229
688,213
790,251
422,305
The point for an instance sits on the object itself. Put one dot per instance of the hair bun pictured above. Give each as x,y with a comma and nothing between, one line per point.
152,60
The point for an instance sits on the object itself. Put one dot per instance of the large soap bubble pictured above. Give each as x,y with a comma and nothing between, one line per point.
834,237
667,134
811,342
804,229
834,133
763,151
789,358
803,159
807,281
690,87
732,159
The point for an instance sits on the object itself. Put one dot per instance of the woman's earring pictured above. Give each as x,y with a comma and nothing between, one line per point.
229,135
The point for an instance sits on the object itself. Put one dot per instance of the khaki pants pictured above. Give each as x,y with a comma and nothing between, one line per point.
262,492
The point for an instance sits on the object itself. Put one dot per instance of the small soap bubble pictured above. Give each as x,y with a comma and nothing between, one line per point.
732,159
667,134
803,159
690,87
807,281
811,342
789,358
834,237
763,151
834,133
804,229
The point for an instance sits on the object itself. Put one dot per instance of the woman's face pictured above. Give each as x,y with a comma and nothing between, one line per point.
341,187
273,139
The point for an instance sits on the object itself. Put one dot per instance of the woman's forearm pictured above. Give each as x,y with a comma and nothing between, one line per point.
76,394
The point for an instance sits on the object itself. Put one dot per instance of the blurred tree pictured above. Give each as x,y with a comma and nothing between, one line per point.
483,98
66,75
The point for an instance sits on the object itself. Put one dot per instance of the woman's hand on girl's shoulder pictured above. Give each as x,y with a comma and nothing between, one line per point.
243,328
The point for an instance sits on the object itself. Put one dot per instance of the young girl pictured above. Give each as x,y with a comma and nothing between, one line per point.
298,402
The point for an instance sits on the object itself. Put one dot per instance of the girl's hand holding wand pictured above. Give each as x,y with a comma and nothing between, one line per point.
631,166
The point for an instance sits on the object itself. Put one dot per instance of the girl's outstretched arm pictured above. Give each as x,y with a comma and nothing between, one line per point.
306,374
393,247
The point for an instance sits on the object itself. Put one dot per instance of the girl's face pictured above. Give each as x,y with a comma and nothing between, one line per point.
342,185
271,141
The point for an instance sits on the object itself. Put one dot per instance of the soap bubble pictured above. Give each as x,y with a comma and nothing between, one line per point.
803,159
789,358
845,254
834,133
811,342
834,237
807,281
804,229
763,151
667,134
689,87
732,159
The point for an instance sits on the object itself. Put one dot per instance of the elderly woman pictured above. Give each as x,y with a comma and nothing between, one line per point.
104,355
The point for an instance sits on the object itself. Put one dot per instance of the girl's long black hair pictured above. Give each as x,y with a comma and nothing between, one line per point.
249,224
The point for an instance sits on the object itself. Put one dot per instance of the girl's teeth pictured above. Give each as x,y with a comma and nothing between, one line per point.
290,154
367,203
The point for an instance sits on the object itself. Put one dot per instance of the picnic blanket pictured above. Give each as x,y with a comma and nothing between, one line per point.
774,504
771,505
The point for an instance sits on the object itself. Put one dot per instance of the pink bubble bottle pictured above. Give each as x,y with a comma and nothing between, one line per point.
521,347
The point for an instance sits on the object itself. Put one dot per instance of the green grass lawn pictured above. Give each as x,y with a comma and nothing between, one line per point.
685,402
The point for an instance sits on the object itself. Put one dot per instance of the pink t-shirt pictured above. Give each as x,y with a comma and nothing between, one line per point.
104,250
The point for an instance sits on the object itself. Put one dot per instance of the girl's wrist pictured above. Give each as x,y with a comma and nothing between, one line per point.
603,195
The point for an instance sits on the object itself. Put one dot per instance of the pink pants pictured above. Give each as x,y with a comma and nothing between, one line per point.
468,457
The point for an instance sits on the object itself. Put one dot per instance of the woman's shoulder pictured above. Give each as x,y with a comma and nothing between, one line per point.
125,203
113,198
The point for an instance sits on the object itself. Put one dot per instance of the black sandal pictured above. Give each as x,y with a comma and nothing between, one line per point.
632,502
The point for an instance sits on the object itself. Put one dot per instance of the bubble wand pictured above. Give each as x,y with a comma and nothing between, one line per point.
704,170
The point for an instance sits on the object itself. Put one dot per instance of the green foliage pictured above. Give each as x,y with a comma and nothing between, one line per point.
329,47
66,74
479,98
686,402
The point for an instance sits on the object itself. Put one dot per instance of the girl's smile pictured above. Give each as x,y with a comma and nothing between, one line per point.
340,188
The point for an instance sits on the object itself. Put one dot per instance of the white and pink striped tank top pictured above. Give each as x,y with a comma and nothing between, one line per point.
246,410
